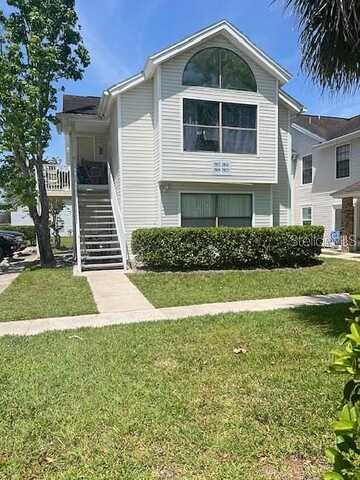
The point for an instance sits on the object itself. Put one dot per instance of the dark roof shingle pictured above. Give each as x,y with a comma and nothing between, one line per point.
328,127
77,104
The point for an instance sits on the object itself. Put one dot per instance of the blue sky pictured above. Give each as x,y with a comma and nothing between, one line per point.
121,34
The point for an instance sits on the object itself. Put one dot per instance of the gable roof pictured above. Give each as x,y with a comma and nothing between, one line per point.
233,34
223,27
74,104
328,128
80,105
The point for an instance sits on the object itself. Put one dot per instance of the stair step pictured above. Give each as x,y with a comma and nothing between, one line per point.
110,235
98,250
106,242
94,193
97,223
93,206
97,216
87,213
102,266
93,198
103,229
102,257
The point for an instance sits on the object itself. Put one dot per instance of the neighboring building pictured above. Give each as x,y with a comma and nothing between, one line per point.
201,137
57,181
327,174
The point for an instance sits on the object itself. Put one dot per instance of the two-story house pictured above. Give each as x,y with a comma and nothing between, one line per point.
326,176
201,137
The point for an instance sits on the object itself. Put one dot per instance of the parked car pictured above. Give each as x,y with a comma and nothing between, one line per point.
10,242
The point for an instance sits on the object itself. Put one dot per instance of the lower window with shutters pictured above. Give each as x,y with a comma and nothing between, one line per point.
216,210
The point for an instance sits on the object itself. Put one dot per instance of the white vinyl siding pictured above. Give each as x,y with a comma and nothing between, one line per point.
318,194
302,146
171,200
180,165
282,190
21,217
114,149
137,157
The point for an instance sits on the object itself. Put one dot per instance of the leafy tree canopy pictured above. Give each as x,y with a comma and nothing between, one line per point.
41,45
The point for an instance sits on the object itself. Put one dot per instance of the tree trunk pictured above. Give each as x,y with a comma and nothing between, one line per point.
57,241
47,258
41,221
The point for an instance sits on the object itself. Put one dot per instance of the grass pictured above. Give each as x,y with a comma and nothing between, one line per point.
175,289
171,400
42,293
66,244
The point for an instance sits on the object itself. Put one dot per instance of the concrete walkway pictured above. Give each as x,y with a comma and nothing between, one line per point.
34,327
343,256
6,279
113,292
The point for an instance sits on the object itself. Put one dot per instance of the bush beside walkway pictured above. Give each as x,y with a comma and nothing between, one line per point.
216,248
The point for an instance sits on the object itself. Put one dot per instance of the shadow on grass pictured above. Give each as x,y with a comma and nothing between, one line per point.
313,262
331,319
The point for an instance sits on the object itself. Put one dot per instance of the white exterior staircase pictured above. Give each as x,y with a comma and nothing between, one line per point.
100,247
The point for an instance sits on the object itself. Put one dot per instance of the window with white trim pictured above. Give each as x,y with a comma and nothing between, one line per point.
216,210
343,161
307,216
307,170
219,127
219,68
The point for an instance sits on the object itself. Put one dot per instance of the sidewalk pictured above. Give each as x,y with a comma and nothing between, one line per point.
113,292
6,280
35,327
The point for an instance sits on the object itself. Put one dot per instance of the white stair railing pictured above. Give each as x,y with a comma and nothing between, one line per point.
57,179
74,182
119,221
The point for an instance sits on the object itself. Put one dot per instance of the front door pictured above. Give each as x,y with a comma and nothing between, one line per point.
91,162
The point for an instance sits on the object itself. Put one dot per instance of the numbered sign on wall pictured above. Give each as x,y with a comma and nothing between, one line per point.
222,167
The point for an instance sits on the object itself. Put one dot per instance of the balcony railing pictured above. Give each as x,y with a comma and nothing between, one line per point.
57,179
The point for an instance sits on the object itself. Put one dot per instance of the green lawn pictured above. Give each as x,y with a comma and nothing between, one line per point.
171,400
174,289
41,293
66,244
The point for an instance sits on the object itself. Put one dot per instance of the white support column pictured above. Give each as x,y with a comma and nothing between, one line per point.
356,222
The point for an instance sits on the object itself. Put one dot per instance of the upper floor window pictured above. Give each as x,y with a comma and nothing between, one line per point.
219,68
343,161
307,170
219,127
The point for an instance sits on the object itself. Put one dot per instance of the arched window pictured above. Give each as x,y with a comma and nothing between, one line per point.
219,68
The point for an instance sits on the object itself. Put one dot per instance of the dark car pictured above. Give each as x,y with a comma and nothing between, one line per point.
10,242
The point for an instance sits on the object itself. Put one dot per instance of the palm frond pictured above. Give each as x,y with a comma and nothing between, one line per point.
330,41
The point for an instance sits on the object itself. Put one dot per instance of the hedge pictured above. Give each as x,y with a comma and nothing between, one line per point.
27,230
214,248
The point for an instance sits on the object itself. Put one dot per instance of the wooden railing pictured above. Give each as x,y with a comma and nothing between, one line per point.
57,179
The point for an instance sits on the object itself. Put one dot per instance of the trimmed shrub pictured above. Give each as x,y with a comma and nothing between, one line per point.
27,230
214,248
